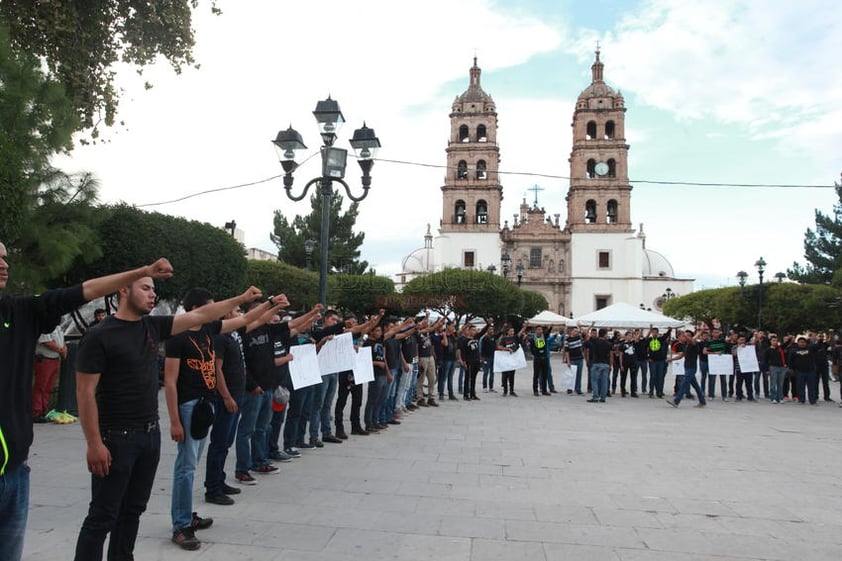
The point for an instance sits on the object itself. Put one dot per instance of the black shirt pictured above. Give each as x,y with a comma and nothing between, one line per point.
197,361
449,352
125,355
259,347
410,348
601,351
229,349
22,320
657,347
691,355
537,346
378,354
573,346
425,345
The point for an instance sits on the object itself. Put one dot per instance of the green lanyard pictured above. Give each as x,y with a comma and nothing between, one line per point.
5,453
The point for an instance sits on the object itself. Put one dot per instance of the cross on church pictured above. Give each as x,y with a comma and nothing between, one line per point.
535,190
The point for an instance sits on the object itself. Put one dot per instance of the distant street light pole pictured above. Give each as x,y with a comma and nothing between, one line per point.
309,245
365,144
760,264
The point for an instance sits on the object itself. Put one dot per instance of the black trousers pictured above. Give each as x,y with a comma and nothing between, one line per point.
470,384
539,374
356,393
119,498
508,381
626,370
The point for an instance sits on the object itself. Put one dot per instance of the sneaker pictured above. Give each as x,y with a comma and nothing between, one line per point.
515,395
535,393
186,539
671,401
545,393
569,392
306,445
452,397
245,479
492,390
484,390
317,443
360,432
699,405
268,469
342,435
432,403
228,490
474,398
725,399
280,456
393,422
553,391
219,499
587,400
292,452
332,439
829,399
199,523
422,403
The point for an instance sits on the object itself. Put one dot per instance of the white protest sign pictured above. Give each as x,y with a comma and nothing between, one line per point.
504,361
364,367
304,366
337,355
747,359
678,366
721,364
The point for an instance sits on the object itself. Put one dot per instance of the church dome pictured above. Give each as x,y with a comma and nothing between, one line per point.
474,93
419,261
656,265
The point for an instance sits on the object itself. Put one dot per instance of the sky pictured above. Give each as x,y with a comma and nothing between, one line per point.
717,91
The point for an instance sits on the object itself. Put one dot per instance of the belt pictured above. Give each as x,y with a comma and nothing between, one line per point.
37,357
132,427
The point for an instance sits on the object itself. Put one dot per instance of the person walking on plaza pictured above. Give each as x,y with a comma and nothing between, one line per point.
776,359
802,360
657,347
628,364
49,353
117,390
537,346
717,346
688,349
470,359
22,320
574,357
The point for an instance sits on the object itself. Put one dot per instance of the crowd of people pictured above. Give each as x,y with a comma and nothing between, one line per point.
228,384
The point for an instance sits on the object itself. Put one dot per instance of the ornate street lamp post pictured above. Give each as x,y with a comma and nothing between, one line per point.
760,264
309,246
365,144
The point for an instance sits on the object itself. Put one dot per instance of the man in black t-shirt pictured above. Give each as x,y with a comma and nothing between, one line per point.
470,359
688,349
657,346
538,348
602,360
22,320
117,389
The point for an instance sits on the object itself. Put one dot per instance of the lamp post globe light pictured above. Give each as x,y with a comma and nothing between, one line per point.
506,262
309,246
760,264
365,144
519,269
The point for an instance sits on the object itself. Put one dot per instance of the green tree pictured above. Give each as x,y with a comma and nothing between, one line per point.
60,230
358,293
822,248
37,122
201,254
273,277
474,293
81,41
344,245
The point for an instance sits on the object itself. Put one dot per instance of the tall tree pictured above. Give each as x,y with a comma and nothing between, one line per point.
344,244
822,247
36,122
81,41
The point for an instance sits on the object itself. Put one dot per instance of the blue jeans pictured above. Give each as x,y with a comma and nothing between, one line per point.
376,395
410,390
599,379
576,364
306,395
275,426
119,498
658,371
221,438
688,380
461,378
446,376
387,410
245,430
705,370
488,374
262,426
643,366
317,395
14,506
293,418
186,460
776,382
321,415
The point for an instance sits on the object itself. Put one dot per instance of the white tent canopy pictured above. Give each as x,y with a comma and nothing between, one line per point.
550,318
626,316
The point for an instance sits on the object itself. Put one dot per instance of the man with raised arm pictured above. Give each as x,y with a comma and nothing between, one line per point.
117,392
22,320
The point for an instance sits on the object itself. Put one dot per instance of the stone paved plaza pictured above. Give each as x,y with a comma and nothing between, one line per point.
509,479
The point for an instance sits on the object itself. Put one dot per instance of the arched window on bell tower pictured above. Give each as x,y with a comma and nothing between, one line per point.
459,212
612,168
609,129
482,135
481,167
591,169
463,134
482,212
591,132
611,214
590,211
462,170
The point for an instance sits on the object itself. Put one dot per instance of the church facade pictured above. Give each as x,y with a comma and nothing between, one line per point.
591,260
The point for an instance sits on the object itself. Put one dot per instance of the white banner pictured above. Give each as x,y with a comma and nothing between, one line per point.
720,364
505,361
678,367
364,367
304,366
747,359
338,354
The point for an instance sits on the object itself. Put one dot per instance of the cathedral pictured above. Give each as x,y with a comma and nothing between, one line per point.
592,260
